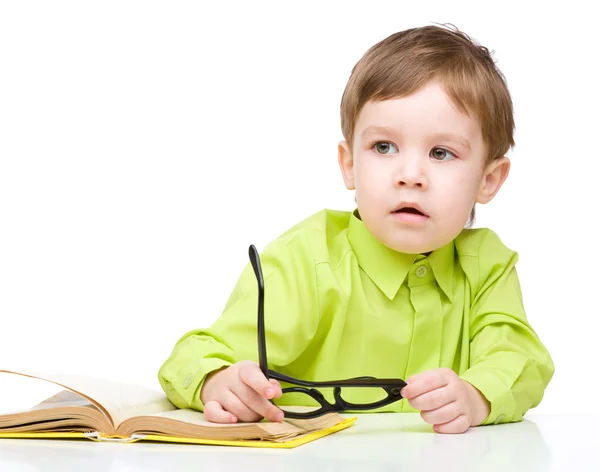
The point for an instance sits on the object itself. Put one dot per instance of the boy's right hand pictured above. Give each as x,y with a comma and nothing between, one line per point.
240,392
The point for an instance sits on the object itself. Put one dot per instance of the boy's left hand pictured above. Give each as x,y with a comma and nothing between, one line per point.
446,401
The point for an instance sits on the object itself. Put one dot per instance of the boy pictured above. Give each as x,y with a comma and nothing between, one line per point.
398,288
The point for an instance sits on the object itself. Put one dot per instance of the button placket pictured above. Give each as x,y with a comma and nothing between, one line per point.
426,342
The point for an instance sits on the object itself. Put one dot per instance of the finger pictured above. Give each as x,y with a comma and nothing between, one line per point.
214,412
456,426
426,382
257,403
441,415
434,399
236,406
277,387
252,376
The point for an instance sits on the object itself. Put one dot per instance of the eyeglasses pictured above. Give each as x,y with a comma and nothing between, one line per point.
390,386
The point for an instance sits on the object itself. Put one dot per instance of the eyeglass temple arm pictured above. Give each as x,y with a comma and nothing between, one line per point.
262,345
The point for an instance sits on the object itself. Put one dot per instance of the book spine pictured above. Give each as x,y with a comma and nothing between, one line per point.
96,436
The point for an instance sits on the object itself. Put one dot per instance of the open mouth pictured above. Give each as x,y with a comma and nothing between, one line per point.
410,210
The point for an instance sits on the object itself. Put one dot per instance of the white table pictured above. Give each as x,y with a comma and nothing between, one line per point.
375,442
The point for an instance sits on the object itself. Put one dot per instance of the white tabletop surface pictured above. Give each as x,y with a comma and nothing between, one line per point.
375,442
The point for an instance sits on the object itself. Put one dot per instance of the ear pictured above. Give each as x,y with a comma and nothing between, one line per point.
346,164
493,177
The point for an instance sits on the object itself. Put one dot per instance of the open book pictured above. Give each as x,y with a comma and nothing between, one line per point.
105,410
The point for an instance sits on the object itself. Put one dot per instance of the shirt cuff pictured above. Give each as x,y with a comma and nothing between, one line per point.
189,381
501,400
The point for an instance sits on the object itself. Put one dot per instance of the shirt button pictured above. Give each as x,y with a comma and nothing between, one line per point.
421,271
500,418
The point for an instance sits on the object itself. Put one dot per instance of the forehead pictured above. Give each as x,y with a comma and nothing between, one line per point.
428,110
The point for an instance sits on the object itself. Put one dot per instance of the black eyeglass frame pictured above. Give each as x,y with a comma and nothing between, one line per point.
391,386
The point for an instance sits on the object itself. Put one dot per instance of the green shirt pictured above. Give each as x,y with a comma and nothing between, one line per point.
339,304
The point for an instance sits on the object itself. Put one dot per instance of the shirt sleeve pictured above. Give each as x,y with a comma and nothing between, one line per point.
291,319
509,364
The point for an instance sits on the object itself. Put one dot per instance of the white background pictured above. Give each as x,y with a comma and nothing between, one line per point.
144,145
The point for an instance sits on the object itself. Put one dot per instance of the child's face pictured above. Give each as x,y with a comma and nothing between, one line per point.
418,151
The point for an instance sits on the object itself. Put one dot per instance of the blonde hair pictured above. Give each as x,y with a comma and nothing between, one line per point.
405,61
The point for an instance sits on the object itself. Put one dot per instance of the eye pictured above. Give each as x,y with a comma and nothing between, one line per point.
441,154
384,147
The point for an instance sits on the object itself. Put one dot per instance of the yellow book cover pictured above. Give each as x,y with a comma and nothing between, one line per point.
106,410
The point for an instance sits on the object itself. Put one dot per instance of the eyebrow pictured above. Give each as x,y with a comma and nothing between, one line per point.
371,130
377,130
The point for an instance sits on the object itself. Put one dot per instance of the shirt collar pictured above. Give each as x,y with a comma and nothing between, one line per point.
388,268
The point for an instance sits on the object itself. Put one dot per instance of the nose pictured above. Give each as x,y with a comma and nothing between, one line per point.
411,172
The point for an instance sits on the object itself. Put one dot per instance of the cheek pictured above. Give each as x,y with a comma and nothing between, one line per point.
369,179
369,189
458,193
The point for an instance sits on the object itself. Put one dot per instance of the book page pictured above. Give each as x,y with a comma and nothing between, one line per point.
188,423
197,418
64,399
117,400
64,410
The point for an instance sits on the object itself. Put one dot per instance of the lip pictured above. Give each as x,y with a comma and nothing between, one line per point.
410,219
409,205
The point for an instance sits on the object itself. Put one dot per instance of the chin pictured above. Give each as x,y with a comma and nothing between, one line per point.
410,247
